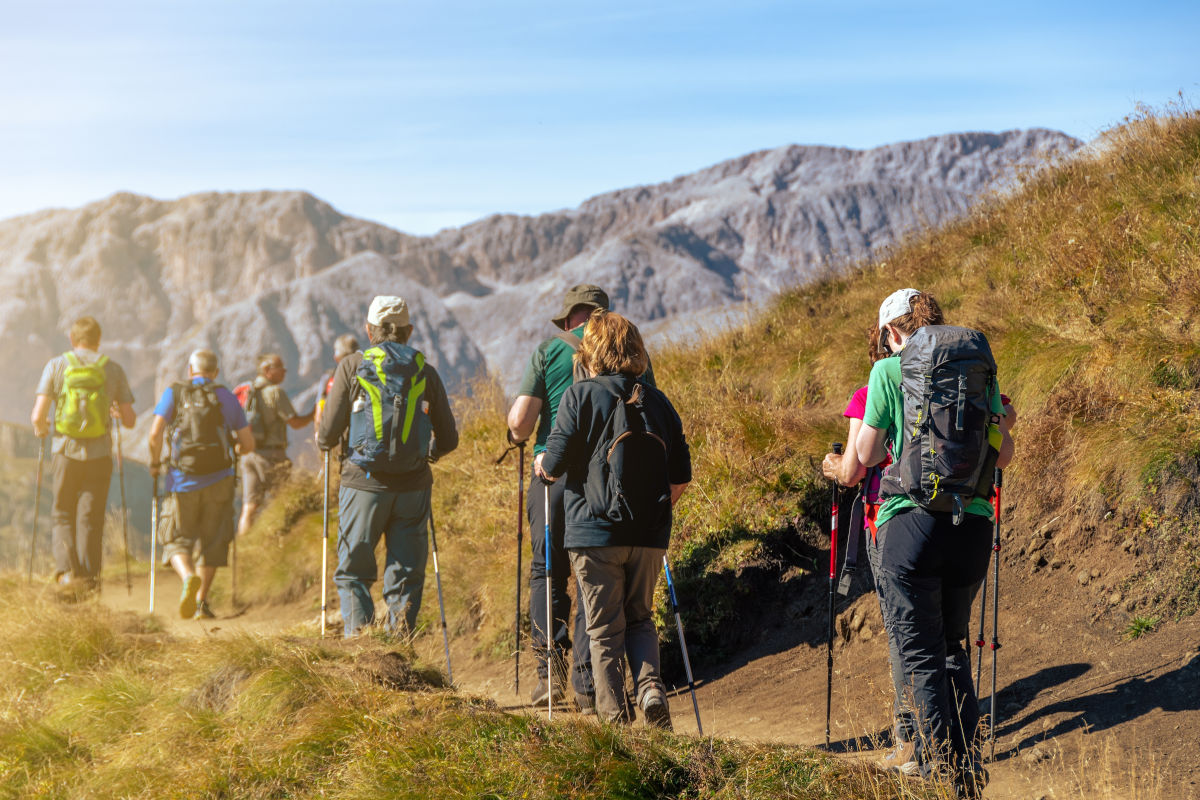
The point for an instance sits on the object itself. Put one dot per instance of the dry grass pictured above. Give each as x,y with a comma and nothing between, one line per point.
93,704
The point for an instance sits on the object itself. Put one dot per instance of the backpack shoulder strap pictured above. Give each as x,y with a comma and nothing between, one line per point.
569,339
102,361
72,359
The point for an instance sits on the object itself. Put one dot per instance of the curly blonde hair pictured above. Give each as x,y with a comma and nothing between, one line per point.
612,345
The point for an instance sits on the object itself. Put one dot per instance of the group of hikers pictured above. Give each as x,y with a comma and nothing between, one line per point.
610,461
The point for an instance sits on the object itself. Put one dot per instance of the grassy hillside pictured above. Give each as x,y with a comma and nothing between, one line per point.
1086,280
94,704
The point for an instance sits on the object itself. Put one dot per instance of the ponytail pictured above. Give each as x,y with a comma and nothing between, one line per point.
923,310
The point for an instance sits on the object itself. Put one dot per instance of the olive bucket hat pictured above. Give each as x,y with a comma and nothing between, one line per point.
585,294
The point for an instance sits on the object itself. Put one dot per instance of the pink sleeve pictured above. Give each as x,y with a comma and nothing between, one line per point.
857,407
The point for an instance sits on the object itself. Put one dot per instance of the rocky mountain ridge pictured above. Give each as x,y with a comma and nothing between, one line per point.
250,272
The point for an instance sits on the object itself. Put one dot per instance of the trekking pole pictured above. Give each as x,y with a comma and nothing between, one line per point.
37,505
979,641
153,535
833,534
233,544
687,662
324,541
124,510
995,608
441,606
549,613
520,525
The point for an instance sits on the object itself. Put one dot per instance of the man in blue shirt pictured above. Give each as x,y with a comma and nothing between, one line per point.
201,418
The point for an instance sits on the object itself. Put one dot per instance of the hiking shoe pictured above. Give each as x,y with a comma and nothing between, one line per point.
902,759
654,706
585,703
203,611
187,598
541,693
969,783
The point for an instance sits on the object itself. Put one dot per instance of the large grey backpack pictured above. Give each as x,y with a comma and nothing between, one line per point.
948,380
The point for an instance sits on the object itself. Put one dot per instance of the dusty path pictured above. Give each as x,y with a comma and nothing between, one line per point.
1085,713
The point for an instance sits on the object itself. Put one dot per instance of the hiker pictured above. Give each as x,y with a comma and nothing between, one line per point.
618,508
269,413
847,470
88,390
386,480
932,561
550,371
343,346
200,420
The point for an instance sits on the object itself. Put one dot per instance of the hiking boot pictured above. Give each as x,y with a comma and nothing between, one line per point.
969,783
541,692
656,709
203,611
585,703
902,759
187,598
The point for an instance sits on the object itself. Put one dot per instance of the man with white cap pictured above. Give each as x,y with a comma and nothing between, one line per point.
395,408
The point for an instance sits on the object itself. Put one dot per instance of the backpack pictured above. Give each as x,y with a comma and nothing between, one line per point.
578,373
82,408
951,440
198,434
627,474
389,427
250,397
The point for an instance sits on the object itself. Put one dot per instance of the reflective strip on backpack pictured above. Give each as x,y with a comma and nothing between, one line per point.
376,355
376,405
414,396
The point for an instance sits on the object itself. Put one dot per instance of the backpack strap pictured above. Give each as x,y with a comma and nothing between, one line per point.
569,339
850,565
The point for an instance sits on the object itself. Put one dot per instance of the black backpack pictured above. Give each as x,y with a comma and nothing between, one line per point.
627,474
950,441
198,434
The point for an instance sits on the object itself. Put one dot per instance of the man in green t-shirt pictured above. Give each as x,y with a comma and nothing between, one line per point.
550,372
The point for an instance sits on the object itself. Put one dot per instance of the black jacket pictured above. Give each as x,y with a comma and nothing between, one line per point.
582,413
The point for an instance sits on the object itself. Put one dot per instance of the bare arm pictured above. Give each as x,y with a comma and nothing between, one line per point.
124,413
40,415
298,422
523,417
846,469
157,426
677,492
245,440
871,445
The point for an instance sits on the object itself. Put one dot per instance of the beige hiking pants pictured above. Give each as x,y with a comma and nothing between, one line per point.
617,590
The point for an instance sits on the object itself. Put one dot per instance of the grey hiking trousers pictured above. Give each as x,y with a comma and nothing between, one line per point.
402,519
617,588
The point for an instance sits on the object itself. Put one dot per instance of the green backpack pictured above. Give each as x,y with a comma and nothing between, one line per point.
82,408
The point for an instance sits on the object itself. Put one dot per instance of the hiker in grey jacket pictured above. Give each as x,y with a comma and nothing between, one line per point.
377,503
617,562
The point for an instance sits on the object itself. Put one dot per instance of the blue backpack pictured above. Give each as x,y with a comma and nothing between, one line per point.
389,427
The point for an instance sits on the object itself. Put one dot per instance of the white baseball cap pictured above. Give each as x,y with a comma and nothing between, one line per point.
388,308
896,305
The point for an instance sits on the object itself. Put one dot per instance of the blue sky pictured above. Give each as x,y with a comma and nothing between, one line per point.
422,114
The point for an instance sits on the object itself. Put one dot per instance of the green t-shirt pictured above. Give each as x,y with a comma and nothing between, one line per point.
885,410
548,375
551,370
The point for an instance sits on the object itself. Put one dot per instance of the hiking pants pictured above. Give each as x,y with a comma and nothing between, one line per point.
80,497
616,586
402,519
903,729
560,567
929,572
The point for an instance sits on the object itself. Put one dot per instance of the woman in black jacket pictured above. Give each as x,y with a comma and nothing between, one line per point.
620,444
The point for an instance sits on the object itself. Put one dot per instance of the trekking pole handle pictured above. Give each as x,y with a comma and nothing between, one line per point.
837,448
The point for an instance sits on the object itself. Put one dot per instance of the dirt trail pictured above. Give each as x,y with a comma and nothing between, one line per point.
1083,712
